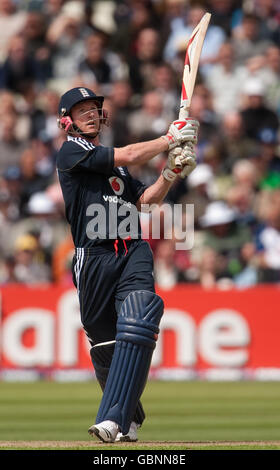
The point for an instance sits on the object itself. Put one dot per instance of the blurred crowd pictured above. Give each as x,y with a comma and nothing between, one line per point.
132,52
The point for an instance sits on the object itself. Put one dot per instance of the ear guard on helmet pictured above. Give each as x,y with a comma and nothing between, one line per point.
64,121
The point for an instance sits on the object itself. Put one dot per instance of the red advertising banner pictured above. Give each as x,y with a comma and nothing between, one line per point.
206,334
230,330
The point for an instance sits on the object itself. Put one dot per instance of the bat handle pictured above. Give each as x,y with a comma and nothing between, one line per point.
183,114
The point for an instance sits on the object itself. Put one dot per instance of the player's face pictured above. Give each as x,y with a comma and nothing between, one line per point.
86,116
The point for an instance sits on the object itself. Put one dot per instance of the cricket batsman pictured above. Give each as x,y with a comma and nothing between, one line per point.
113,271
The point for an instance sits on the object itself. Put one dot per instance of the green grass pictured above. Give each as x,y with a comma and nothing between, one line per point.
176,412
164,447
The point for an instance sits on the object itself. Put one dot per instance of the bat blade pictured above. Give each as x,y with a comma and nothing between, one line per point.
193,52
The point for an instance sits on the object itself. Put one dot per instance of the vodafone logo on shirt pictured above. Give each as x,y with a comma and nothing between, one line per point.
117,185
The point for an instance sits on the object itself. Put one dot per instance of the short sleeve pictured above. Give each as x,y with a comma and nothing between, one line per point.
82,156
137,188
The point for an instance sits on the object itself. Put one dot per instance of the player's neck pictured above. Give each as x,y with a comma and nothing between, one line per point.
94,140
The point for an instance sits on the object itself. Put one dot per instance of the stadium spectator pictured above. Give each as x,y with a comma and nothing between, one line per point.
268,13
272,56
32,182
247,39
62,261
134,55
12,21
267,160
241,199
121,108
150,119
256,115
34,33
43,113
94,64
245,174
255,68
44,222
45,155
146,123
164,82
225,237
224,13
19,68
202,109
165,271
51,9
224,79
272,67
132,17
143,64
99,66
11,147
10,106
5,222
7,271
248,276
215,37
65,35
208,267
28,267
12,184
199,186
235,144
173,18
268,237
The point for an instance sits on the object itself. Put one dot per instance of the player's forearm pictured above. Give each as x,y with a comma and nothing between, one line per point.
155,193
140,153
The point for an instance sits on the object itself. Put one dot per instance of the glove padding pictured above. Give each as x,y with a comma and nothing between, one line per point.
181,161
180,131
187,160
187,169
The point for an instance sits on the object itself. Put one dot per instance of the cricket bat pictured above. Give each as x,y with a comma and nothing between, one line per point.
193,52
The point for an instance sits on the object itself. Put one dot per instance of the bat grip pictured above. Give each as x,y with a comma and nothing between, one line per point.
183,114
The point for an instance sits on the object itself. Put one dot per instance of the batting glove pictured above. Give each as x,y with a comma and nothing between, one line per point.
180,131
172,169
187,159
181,162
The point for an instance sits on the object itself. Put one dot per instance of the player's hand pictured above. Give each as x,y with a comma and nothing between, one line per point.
174,158
180,131
187,160
181,162
172,169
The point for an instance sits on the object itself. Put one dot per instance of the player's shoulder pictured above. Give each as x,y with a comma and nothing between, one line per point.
76,144
71,151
